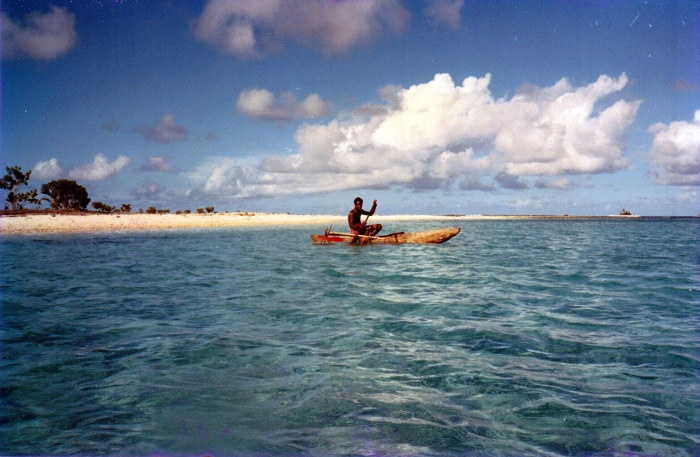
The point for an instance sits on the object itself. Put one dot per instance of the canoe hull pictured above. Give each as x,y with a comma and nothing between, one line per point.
427,237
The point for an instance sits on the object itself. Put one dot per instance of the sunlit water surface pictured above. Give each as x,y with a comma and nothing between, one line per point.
539,337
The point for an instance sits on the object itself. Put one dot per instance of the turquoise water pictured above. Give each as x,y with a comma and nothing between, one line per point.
534,337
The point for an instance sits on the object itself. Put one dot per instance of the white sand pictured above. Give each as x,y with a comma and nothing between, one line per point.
84,223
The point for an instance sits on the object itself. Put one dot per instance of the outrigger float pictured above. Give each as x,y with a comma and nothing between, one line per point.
427,237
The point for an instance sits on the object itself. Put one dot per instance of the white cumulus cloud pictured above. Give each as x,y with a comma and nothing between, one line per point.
440,134
100,168
261,104
675,152
40,36
561,130
47,169
253,29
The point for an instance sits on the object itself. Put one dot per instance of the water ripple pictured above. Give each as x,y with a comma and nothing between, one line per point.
540,338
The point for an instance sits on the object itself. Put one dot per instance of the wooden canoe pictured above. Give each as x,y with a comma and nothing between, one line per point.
430,236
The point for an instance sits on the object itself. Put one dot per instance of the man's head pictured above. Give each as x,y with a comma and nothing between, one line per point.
358,201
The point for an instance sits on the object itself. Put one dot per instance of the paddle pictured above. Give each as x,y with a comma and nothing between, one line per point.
357,235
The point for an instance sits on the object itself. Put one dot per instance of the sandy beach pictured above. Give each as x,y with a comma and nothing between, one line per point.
85,223
91,222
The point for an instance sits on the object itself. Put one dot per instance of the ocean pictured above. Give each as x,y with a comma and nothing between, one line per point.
515,338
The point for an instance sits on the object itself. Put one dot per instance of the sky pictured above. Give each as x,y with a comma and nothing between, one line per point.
298,106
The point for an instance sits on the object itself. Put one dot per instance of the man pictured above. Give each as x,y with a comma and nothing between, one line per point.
357,225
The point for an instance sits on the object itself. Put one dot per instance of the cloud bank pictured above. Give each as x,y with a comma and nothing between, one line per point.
250,30
99,170
439,134
675,152
40,36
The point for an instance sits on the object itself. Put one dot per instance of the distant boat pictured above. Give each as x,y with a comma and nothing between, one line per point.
624,212
427,237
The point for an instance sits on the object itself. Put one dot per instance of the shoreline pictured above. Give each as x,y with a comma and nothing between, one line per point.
92,222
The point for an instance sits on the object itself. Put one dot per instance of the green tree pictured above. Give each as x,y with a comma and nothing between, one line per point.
126,208
12,182
66,194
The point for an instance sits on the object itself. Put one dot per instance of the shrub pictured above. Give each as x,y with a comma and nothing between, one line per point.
103,207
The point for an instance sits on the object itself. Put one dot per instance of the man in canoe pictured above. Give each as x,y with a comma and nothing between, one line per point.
359,227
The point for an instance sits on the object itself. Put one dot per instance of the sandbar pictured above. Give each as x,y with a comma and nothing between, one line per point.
90,222
94,222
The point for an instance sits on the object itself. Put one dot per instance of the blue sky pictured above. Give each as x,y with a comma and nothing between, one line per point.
431,107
